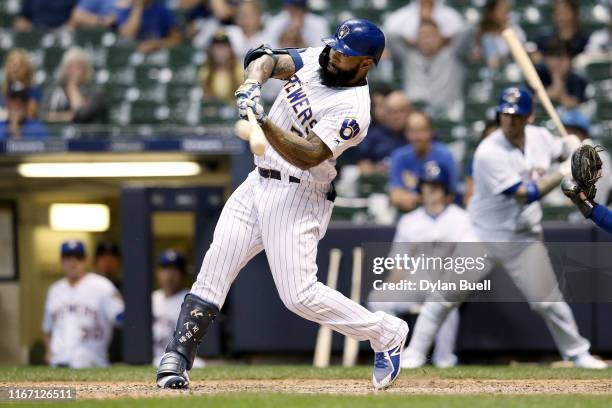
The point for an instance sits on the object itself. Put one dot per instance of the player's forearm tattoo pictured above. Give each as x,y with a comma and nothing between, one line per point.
263,68
285,67
304,153
260,69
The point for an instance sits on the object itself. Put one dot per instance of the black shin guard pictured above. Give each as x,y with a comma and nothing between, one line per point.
195,317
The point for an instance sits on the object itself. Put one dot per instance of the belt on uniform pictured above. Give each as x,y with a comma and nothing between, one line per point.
276,175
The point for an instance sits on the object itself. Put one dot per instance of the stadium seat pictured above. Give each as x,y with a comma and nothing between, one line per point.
177,92
118,57
376,183
349,213
182,56
477,110
89,38
146,112
604,110
30,40
6,19
601,70
557,213
217,112
52,59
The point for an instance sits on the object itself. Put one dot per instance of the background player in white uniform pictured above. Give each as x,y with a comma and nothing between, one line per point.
437,220
80,312
511,173
285,204
166,301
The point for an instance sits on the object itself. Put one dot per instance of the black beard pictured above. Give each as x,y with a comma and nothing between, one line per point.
338,79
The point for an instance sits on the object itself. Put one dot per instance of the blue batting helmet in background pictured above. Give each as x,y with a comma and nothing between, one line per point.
516,100
433,171
72,248
172,258
358,38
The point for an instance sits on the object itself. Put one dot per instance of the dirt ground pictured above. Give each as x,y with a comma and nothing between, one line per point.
110,390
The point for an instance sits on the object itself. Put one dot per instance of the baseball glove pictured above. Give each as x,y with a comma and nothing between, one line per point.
586,168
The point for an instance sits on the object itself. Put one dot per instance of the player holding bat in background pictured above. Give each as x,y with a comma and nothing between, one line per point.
512,171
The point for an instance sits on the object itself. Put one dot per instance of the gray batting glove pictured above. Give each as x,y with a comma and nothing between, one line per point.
250,90
256,108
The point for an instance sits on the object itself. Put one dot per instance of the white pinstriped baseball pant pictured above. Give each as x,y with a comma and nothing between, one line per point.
287,220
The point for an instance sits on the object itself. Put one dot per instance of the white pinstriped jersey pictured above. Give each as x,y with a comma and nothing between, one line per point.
340,117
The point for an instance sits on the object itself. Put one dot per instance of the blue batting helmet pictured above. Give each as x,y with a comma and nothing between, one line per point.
358,38
433,171
516,101
171,258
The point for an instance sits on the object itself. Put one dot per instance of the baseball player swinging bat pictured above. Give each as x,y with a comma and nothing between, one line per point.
285,203
532,77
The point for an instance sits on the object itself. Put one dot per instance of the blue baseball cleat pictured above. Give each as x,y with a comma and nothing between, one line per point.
387,365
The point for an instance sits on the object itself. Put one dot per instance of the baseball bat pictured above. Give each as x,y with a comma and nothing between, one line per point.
324,337
532,77
257,139
351,346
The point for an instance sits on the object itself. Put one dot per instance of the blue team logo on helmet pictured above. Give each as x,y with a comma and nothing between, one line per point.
358,38
515,101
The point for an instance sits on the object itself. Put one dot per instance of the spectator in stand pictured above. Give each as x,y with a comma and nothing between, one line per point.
601,40
377,104
223,11
566,19
408,160
222,73
80,312
385,137
17,124
166,301
107,262
43,14
564,86
206,17
406,21
432,70
295,26
73,98
93,14
489,42
19,68
150,22
248,20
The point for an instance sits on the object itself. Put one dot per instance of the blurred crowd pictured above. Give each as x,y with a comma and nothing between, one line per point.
433,51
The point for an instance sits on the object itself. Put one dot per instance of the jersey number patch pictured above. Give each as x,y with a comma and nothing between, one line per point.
349,129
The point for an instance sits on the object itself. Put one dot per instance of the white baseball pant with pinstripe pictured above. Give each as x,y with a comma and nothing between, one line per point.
287,220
